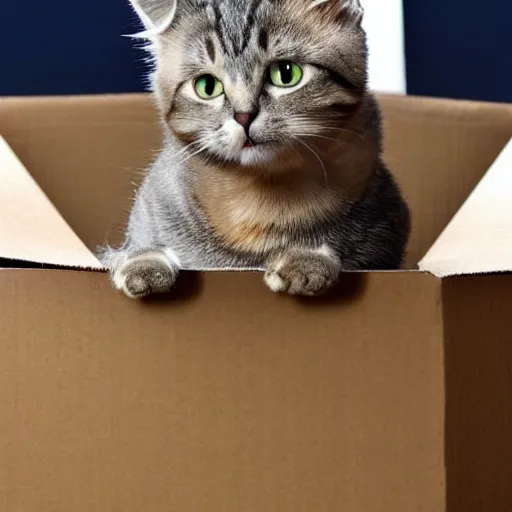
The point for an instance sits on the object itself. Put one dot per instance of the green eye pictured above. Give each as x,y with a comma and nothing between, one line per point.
208,87
285,73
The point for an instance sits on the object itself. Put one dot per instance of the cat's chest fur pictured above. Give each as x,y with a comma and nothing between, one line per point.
259,216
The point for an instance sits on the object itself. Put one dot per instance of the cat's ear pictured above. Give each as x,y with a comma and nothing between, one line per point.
343,9
156,15
353,8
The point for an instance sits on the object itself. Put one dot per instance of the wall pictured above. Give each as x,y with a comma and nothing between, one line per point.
384,24
459,48
456,48
68,47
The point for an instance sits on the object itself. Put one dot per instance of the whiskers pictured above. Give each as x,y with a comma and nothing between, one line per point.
207,145
324,169
346,130
318,126
193,149
302,128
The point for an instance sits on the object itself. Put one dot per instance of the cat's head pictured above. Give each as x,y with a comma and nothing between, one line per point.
245,82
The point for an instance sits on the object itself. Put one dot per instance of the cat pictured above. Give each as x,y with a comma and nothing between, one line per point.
272,149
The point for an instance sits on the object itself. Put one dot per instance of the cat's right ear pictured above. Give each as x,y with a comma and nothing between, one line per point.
156,15
343,10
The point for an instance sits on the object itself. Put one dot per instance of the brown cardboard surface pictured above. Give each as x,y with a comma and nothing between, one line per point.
439,150
478,239
86,153
390,396
478,359
31,228
228,399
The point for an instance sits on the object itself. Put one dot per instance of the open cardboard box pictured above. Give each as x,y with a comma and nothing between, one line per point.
394,395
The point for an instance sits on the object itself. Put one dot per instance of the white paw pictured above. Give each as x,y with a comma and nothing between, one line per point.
146,274
304,272
275,282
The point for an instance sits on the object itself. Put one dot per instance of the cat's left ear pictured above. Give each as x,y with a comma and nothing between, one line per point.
156,15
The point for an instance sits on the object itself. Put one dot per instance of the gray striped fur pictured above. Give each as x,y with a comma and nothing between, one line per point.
312,199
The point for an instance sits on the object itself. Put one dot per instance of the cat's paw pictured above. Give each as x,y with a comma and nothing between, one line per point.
306,273
146,274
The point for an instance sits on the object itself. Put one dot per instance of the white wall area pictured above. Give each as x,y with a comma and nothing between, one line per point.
384,25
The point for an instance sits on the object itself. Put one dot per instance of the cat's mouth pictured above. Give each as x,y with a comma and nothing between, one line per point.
248,154
249,143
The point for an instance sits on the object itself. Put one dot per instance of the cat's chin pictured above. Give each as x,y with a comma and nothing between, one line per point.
257,155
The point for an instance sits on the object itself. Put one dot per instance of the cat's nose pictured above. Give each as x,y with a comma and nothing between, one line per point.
245,119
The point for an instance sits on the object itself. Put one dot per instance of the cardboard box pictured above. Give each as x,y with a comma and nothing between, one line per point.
394,395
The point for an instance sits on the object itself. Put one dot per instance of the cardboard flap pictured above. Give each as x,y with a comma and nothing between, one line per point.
479,238
31,228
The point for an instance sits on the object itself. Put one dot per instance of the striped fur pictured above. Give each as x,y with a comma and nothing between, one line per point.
314,178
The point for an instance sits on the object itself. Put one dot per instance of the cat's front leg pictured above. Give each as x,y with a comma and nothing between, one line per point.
143,273
306,272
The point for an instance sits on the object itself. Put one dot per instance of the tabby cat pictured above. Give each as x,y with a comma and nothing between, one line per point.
272,149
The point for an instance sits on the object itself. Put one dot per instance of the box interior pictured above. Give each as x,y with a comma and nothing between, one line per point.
386,398
89,153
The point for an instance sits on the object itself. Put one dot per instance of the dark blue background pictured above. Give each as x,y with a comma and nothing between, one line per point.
455,48
459,48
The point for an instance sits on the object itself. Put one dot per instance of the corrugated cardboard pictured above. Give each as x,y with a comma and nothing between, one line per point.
390,395
31,228
478,240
